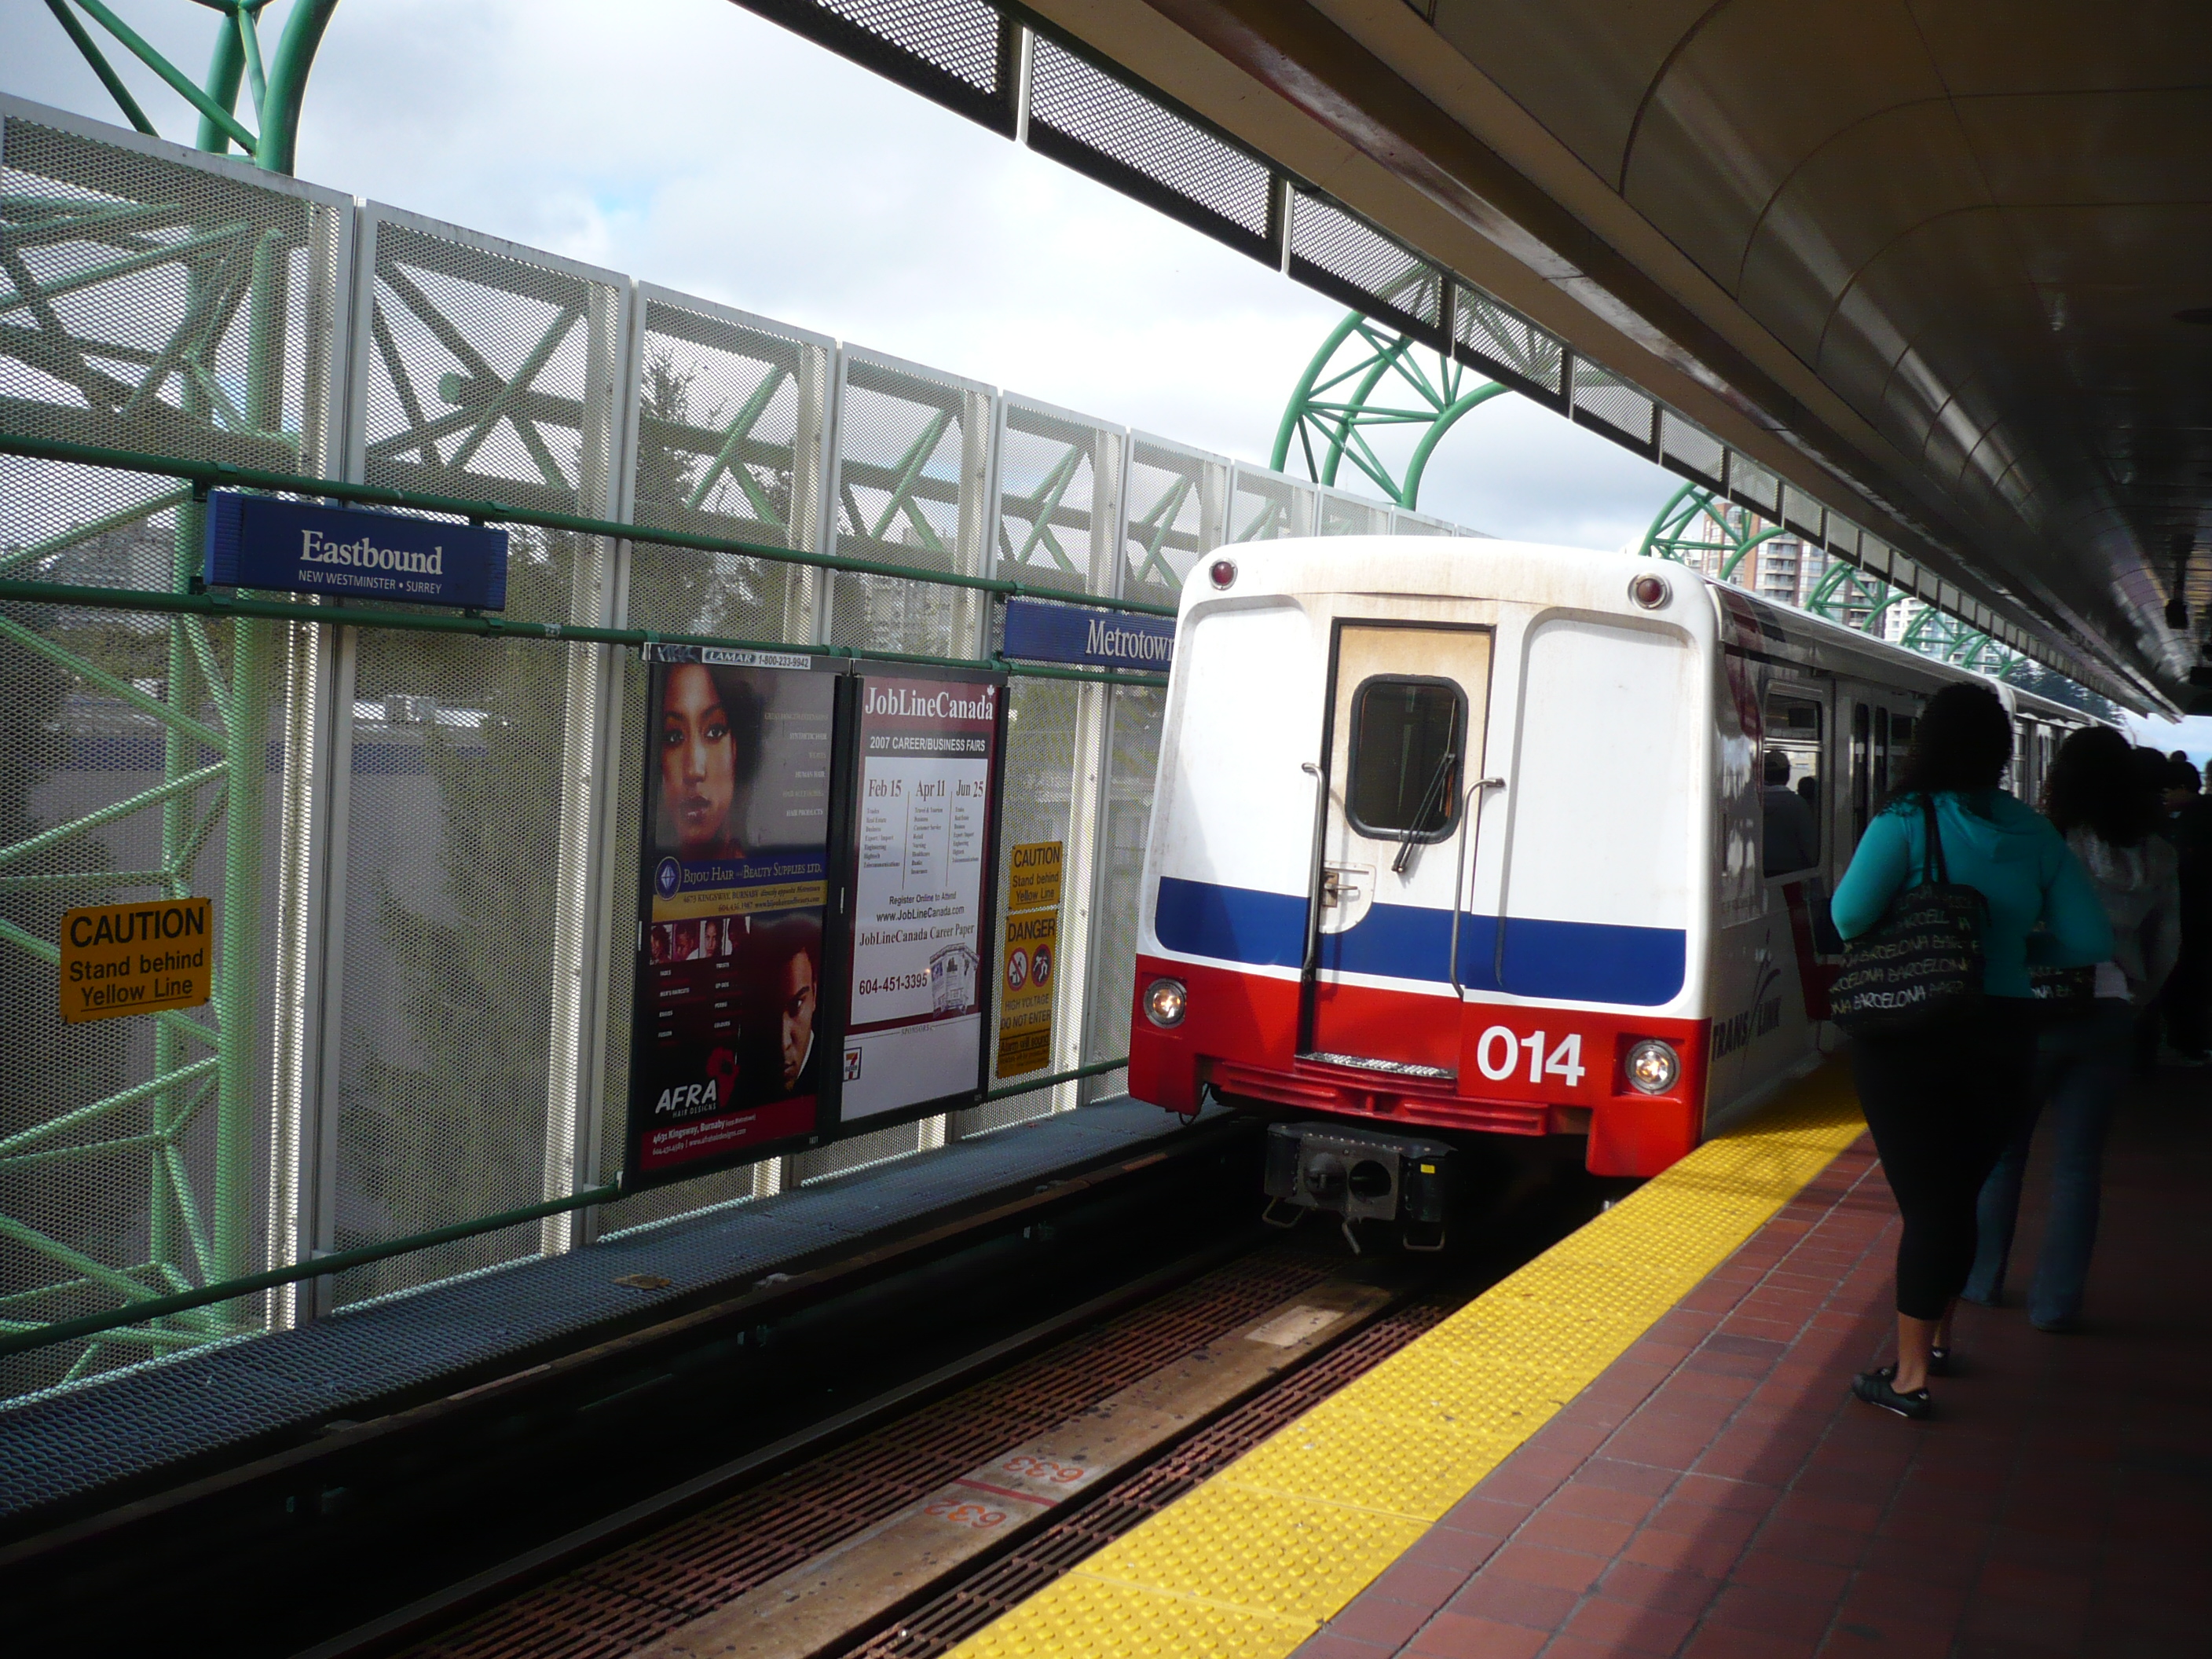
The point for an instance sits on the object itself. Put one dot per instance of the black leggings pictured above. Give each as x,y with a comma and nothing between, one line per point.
1942,1104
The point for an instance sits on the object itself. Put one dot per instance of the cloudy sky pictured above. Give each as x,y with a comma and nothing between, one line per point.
689,143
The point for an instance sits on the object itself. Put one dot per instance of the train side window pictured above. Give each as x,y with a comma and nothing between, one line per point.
1862,741
1409,737
1790,801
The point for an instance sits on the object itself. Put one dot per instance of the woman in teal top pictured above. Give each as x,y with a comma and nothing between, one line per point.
1941,1101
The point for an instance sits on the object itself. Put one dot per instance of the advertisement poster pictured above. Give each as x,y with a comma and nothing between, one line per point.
923,861
734,872
1031,951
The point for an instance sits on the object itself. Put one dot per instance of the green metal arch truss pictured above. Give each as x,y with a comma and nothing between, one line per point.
1365,377
1843,594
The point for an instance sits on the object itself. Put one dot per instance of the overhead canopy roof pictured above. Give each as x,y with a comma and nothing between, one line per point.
1930,262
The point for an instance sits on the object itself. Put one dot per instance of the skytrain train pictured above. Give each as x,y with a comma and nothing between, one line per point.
1461,837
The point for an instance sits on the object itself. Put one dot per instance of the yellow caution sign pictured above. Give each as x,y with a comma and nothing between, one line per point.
135,958
1033,877
1031,951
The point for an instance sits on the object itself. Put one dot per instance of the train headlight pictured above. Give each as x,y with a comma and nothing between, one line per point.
1223,574
1649,590
1164,1001
1653,1066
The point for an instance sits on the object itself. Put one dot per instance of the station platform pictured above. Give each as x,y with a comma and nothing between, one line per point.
1642,1443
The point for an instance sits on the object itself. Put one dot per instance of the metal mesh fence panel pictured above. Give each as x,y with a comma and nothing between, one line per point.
1265,505
454,797
1802,512
1602,399
1176,507
1091,121
1059,479
143,759
1132,764
487,372
1501,341
480,374
166,303
1755,486
1346,515
1691,450
1046,797
1403,523
730,433
959,52
1346,257
910,483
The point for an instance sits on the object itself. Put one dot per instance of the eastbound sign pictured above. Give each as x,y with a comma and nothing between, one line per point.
134,959
302,547
1038,630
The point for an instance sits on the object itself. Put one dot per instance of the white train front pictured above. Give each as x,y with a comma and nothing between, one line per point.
1477,835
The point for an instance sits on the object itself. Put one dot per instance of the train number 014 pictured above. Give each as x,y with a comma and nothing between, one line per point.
1501,1048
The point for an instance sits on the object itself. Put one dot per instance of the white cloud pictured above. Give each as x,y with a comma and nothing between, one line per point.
689,143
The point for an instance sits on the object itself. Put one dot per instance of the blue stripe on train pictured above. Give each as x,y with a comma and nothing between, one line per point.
1567,961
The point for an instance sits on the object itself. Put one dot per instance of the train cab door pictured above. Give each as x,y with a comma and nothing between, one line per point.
1392,842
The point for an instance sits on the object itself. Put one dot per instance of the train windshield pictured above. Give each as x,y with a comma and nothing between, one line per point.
1409,737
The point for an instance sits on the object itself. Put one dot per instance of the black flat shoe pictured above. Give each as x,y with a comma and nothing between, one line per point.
1873,1387
1939,1363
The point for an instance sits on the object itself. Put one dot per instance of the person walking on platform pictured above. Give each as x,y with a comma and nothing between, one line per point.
2098,798
2184,1005
1942,1098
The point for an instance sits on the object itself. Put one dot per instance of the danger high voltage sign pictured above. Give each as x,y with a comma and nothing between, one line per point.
134,959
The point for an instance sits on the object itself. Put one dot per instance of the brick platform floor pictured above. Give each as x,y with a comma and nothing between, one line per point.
1718,1493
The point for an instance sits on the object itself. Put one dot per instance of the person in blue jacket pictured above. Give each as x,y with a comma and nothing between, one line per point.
1942,1101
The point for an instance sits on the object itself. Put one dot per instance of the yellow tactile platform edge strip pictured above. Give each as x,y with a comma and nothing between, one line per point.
1251,1563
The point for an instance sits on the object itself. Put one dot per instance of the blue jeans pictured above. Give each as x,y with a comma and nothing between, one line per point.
2081,1065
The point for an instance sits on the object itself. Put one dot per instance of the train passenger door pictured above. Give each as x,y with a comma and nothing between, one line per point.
1405,737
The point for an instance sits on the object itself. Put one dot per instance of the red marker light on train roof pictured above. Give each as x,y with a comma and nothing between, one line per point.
1649,590
1223,572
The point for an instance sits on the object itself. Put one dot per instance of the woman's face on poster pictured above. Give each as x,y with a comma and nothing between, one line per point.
698,761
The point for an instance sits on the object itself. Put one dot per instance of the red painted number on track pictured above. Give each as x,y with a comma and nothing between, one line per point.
1043,1468
966,1515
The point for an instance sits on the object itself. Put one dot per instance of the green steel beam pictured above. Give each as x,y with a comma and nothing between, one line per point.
90,50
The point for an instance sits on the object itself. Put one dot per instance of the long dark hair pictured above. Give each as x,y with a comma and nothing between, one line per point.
1962,741
2098,782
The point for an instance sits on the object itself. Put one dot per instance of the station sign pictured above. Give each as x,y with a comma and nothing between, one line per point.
1041,630
306,547
118,959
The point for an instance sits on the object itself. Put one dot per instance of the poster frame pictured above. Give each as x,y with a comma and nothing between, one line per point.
846,794
836,905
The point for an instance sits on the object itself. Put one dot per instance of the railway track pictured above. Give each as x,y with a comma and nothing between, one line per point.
901,1536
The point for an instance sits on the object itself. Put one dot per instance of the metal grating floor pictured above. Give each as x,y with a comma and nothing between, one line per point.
63,1447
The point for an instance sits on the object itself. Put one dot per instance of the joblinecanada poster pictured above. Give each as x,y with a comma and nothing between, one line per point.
733,878
922,869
